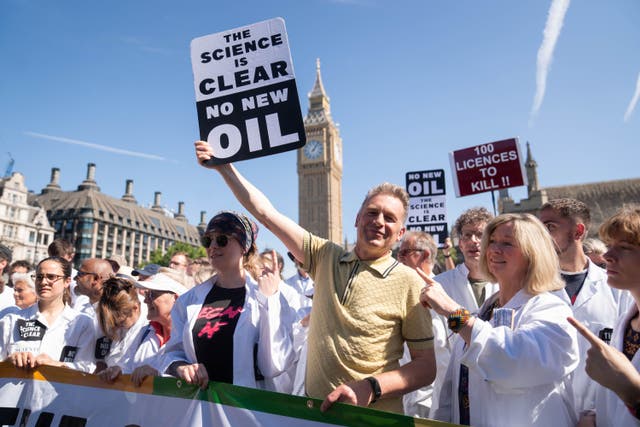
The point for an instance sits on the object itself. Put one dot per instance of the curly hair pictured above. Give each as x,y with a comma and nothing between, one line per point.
471,216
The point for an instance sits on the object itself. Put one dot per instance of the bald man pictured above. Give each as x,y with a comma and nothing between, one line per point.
92,274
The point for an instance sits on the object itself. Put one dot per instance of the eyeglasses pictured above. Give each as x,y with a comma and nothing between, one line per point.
176,263
221,240
405,252
50,277
469,235
81,274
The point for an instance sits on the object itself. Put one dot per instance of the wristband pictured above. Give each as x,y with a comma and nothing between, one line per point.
447,255
458,319
375,386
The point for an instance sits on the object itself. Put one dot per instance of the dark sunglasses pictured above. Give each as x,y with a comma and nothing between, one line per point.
86,273
221,240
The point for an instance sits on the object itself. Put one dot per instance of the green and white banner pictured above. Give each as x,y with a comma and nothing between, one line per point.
62,397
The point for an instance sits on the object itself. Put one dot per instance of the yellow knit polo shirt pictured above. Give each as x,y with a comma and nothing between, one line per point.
363,312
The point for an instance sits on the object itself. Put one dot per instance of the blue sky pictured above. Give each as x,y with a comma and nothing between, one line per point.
409,81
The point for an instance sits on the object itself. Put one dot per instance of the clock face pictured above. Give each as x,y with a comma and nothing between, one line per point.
313,149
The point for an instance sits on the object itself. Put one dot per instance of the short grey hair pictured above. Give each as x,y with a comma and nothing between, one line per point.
24,277
391,190
423,241
594,246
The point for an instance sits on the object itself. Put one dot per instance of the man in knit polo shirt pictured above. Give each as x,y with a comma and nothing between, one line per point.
365,304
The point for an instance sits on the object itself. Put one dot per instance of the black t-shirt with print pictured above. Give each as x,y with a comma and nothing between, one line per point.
214,329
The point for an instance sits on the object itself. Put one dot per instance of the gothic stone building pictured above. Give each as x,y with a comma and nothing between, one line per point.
602,198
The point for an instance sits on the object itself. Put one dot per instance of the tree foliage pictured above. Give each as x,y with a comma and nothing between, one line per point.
157,257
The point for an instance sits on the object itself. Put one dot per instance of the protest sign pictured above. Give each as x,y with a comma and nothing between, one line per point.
246,93
487,167
52,396
427,203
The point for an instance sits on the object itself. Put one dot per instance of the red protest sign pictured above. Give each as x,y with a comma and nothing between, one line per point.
487,167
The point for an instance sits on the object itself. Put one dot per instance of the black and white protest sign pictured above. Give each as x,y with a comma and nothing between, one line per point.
427,203
246,93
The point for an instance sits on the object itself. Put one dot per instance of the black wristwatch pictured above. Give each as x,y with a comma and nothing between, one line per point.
375,386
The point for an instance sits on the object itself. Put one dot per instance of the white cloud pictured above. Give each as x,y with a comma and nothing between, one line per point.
94,146
552,28
634,101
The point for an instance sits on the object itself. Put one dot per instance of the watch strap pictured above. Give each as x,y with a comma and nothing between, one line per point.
375,387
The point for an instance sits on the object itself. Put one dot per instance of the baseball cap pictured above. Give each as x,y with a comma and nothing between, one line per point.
148,270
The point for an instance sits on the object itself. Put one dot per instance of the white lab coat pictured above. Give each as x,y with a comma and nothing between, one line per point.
456,284
597,306
261,322
70,329
145,350
123,350
297,308
610,409
519,376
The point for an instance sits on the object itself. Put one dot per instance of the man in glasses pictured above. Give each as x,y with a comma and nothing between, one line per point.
89,280
365,303
463,284
180,261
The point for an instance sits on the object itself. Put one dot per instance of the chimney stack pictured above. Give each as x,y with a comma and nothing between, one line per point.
202,227
128,193
53,184
156,202
90,182
180,215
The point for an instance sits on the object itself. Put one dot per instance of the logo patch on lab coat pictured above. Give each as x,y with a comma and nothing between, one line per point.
30,330
103,346
68,353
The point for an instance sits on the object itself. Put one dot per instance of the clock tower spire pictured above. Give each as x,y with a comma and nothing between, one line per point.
320,168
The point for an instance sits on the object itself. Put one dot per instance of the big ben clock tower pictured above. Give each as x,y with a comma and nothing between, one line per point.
320,169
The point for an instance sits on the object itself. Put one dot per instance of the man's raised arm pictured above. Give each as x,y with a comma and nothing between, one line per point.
254,201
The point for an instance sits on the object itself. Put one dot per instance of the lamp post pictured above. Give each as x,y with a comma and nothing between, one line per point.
38,225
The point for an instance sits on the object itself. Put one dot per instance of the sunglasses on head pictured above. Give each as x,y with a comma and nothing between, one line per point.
221,240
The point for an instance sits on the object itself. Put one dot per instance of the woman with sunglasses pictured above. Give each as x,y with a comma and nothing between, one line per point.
118,313
229,325
49,333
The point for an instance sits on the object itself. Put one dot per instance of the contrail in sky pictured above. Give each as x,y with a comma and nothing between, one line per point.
634,101
94,146
552,28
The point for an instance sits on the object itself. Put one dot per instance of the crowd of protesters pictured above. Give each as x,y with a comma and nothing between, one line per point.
535,324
